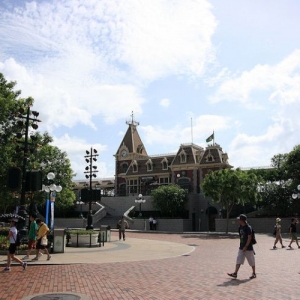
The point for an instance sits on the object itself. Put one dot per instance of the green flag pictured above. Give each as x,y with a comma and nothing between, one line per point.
210,138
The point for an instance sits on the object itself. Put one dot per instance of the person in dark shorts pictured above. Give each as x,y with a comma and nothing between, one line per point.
246,248
12,237
42,232
293,230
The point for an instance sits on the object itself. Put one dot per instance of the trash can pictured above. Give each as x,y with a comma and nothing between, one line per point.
105,233
59,242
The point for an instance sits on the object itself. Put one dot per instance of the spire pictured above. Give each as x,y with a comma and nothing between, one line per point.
132,122
131,140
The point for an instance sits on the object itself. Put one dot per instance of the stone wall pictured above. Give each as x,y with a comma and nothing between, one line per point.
170,225
260,225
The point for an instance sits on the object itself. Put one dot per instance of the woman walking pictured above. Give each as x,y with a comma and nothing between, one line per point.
278,237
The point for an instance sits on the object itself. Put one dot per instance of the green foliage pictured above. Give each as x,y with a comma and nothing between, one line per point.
56,160
81,231
4,231
292,166
231,187
279,183
170,200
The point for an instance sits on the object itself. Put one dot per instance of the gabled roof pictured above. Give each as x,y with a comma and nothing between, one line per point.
156,166
192,152
214,155
132,140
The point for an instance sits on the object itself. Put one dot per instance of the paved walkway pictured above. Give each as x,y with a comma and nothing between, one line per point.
157,266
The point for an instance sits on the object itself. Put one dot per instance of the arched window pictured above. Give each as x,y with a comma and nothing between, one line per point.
149,165
134,166
164,164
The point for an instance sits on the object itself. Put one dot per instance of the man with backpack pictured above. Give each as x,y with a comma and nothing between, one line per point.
246,247
12,238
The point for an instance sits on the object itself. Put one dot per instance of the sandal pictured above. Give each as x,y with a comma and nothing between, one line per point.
234,275
252,276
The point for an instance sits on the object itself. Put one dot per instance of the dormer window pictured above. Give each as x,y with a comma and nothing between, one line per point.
134,166
140,149
164,164
209,157
183,157
149,165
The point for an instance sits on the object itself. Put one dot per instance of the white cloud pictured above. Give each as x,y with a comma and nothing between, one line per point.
280,84
259,149
92,59
165,102
203,126
76,149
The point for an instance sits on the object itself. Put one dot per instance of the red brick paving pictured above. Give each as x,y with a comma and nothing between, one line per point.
199,275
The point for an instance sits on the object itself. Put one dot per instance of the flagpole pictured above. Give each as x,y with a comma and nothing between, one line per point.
192,129
213,137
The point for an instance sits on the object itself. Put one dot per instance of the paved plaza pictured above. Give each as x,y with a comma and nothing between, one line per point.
157,266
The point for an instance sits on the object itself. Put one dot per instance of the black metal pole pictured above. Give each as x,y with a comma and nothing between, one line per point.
22,209
90,217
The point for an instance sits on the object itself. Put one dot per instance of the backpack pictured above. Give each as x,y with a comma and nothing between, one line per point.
18,239
253,239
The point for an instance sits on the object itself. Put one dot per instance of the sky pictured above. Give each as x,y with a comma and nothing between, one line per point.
185,68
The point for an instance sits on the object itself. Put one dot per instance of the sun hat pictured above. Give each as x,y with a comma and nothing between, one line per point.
278,220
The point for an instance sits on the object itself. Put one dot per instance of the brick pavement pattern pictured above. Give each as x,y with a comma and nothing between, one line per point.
200,274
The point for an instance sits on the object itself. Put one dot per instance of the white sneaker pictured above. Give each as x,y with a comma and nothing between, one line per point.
25,257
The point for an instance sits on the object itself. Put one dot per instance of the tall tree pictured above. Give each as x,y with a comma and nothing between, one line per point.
10,105
231,187
170,199
279,182
292,166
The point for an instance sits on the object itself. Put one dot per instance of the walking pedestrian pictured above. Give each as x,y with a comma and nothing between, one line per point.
278,237
245,249
42,232
31,235
122,225
12,238
151,223
292,230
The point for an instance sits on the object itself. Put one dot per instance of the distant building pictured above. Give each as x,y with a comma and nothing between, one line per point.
139,173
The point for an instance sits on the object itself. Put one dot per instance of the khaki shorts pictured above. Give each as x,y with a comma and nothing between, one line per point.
249,255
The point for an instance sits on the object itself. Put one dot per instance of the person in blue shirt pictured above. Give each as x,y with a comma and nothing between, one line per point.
246,248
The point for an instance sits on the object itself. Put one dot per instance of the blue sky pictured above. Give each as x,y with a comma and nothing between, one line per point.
232,67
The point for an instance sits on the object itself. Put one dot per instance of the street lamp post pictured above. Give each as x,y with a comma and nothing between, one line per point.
90,172
51,189
140,200
296,195
24,132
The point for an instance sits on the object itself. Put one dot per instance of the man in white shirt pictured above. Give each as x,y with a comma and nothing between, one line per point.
12,237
